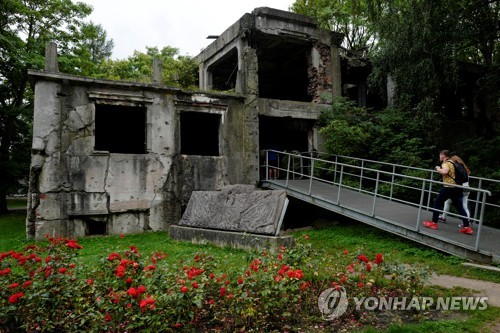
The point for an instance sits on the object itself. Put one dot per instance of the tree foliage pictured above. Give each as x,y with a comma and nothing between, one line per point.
428,48
177,70
443,57
91,49
349,17
377,135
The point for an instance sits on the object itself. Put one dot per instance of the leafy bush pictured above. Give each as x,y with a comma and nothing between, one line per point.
390,135
44,289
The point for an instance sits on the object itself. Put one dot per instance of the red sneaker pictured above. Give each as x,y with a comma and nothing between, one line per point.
466,230
431,225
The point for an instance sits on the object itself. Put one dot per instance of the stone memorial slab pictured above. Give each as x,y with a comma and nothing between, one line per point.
236,208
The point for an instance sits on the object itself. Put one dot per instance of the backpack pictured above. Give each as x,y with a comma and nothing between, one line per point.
461,175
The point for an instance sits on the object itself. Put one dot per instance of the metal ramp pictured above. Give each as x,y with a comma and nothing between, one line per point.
390,197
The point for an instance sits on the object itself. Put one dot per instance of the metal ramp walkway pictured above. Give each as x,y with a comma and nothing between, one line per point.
390,197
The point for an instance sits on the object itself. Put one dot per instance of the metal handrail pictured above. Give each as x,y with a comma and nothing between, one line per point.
394,165
432,173
339,172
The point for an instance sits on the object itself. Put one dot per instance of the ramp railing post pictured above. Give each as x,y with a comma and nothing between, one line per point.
422,194
287,171
361,173
267,164
481,217
430,190
392,181
477,199
340,182
311,176
335,171
375,193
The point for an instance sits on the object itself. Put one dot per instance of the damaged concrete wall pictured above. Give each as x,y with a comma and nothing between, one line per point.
76,190
268,32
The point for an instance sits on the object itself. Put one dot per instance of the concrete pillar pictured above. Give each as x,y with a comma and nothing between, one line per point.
336,41
157,71
202,76
51,57
336,72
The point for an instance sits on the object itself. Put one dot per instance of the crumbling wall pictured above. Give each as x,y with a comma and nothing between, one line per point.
76,190
319,72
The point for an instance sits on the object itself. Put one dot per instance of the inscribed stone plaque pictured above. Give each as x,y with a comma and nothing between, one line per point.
255,211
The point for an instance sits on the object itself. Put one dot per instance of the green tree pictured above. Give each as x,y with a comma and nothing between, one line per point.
350,17
91,49
25,27
425,47
177,70
384,135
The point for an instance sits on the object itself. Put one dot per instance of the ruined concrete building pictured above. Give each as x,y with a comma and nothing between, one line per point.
119,157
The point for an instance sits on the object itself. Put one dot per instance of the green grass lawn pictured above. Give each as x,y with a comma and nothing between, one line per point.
335,238
332,239
16,203
13,230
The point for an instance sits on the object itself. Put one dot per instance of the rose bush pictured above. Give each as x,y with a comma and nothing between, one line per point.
44,288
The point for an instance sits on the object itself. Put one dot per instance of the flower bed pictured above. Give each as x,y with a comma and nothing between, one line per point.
43,288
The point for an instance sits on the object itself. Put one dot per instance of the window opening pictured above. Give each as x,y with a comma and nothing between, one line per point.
283,68
95,227
200,133
225,71
120,129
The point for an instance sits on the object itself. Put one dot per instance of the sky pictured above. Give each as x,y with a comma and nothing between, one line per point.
183,24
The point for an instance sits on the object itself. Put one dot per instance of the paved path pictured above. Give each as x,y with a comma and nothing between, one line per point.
483,288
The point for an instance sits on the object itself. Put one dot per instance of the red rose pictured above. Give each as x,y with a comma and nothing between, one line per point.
222,291
72,244
120,271
132,292
184,289
363,258
114,256
15,298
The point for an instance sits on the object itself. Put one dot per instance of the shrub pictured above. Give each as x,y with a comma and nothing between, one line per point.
44,289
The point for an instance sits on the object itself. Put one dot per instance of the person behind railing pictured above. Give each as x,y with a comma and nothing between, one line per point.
465,197
272,159
447,171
